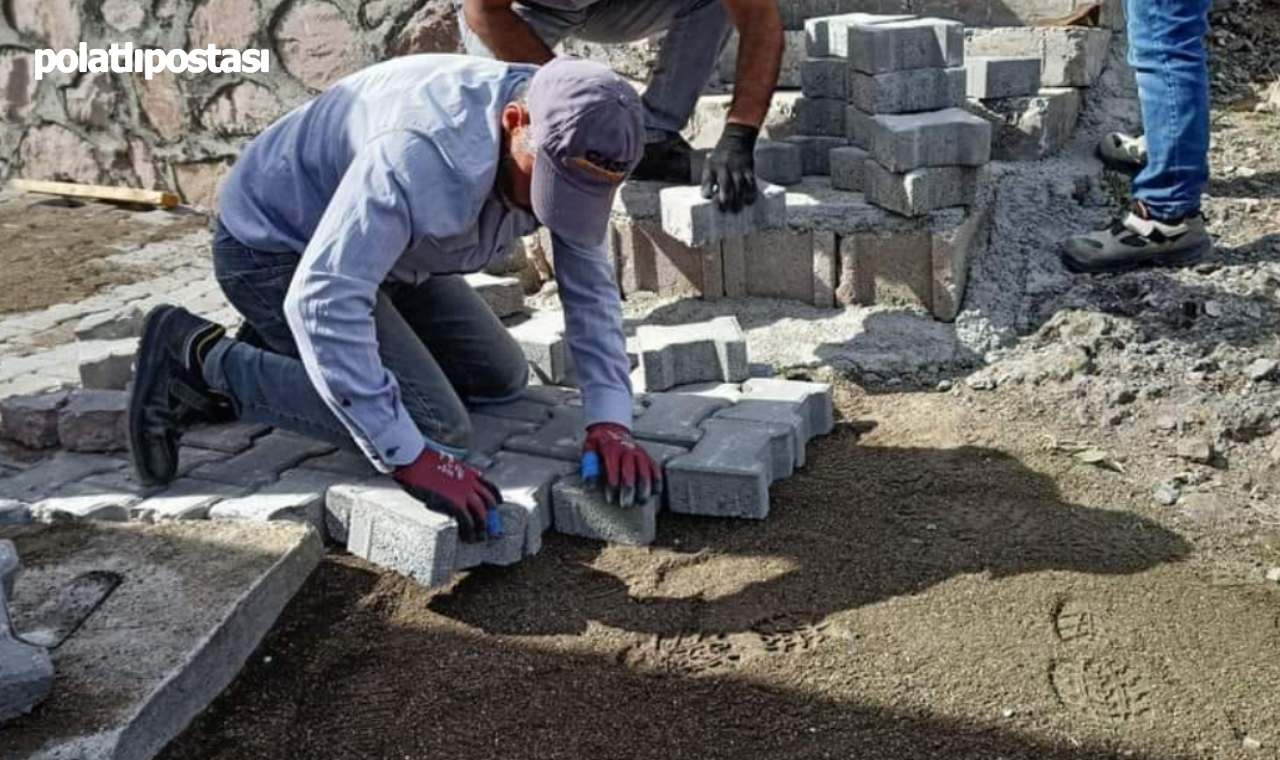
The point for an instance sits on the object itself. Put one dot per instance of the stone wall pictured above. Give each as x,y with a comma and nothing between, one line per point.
181,132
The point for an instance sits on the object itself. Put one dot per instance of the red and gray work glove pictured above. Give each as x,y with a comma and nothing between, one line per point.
729,174
631,476
446,485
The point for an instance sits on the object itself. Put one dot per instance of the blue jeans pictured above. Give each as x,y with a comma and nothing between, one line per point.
442,343
697,31
1167,52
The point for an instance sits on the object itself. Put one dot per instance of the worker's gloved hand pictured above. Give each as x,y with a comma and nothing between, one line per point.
630,476
446,485
729,175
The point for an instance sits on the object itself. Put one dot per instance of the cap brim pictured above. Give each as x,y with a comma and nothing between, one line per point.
578,214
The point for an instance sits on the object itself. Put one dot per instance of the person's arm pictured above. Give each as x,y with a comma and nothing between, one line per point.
760,46
503,32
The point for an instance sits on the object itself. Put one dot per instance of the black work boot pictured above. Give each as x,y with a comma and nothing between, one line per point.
1136,241
169,389
668,160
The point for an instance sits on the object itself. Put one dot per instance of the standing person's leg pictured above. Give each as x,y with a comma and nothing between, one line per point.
550,24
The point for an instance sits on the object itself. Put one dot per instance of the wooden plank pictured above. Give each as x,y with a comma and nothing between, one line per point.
97,192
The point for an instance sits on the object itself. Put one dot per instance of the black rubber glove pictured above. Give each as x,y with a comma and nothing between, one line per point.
729,174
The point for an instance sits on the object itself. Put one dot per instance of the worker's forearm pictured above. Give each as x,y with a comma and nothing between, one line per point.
760,44
506,34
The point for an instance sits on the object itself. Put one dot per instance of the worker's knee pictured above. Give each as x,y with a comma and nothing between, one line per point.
505,383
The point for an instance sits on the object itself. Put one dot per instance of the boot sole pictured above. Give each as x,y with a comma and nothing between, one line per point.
1189,257
144,386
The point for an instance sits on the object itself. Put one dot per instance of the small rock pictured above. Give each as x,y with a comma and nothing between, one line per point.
1262,369
1195,450
1252,744
1167,494
1273,575
944,386
1213,309
981,383
1167,422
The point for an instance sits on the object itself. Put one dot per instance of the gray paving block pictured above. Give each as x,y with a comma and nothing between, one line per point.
860,127
107,364
814,399
1001,76
341,499
542,339
561,437
815,152
14,512
523,409
952,137
346,462
82,501
507,549
726,475
674,418
1031,128
693,353
820,116
229,438
779,162
526,480
298,496
125,322
262,465
48,476
582,511
123,481
32,420
814,205
828,35
638,199
504,295
920,191
26,671
847,169
773,412
825,78
731,392
94,421
1070,56
911,44
395,531
185,499
909,91
782,442
697,221
826,268
488,434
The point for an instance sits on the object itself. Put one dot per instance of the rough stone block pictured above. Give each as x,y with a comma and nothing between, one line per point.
815,150
653,261
907,91
526,480
559,438
1001,76
828,35
697,221
228,438
80,501
825,78
886,269
820,116
1070,56
582,511
107,364
393,530
542,339
910,44
693,353
780,265
27,669
503,550
186,499
847,169
779,162
726,475
920,191
298,496
261,465
674,418
814,399
1031,128
773,412
826,257
94,421
505,295
117,324
957,236
952,137
32,420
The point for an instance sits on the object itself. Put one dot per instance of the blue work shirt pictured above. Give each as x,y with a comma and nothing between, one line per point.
390,174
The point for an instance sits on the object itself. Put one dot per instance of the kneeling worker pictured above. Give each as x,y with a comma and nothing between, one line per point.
344,231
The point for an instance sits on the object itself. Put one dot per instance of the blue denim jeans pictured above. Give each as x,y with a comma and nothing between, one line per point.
1168,54
443,344
697,31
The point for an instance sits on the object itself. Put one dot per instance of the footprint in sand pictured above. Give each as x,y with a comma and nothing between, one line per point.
1094,681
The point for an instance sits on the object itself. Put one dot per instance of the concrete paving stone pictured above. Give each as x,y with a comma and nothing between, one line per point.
504,295
726,475
523,409
826,269
782,442
49,475
14,512
526,480
505,550
814,205
1001,76
229,438
828,35
957,237
780,265
651,260
815,152
693,353
820,116
123,481
922,43
107,364
814,399
194,603
1031,128
697,221
1070,56
893,269
94,421
84,501
847,169
261,465
561,437
860,127
190,458
488,434
27,669
298,496
917,192
638,199
116,324
951,137
184,499
825,78
581,510
542,339
909,91
779,162
341,498
347,462
395,531
674,418
32,420
773,411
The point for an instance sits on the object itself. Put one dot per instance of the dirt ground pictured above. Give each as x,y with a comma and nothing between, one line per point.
935,583
45,261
